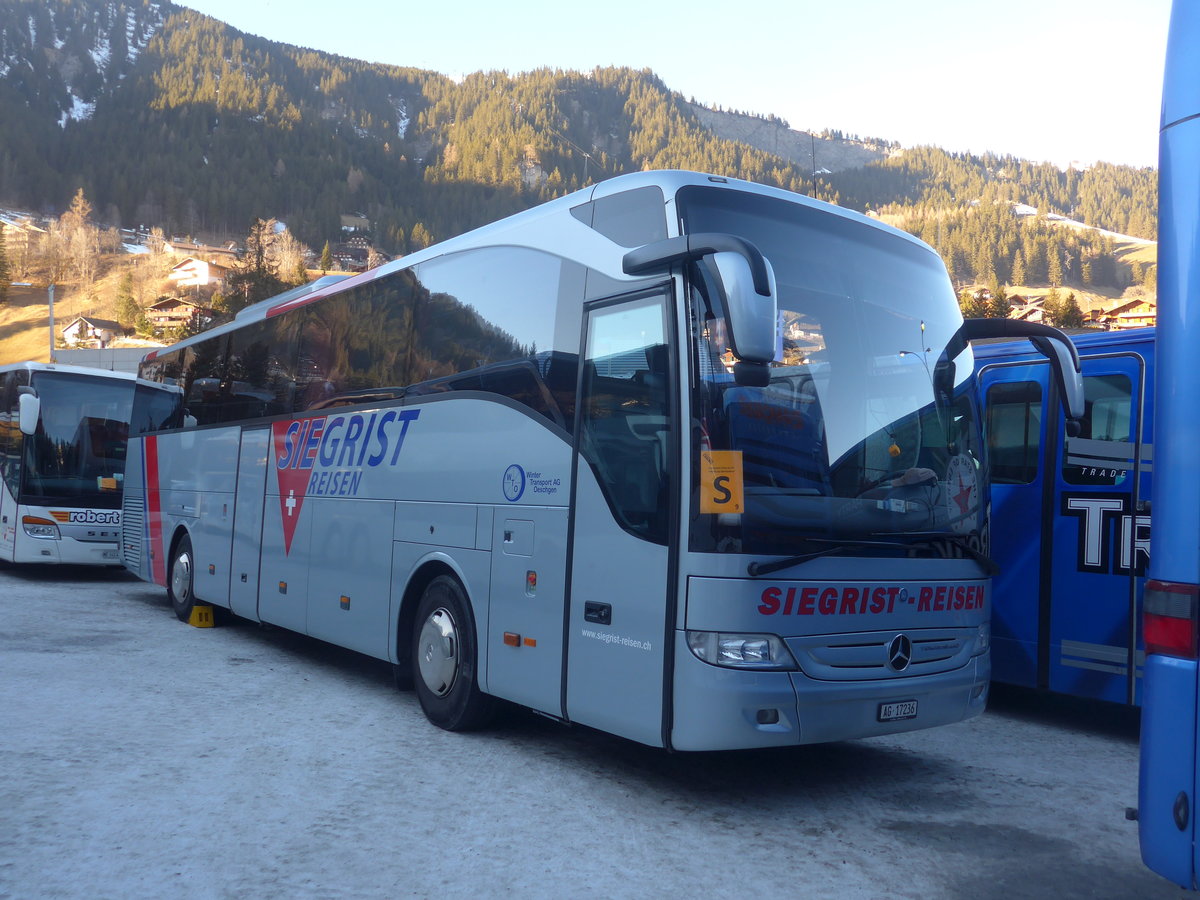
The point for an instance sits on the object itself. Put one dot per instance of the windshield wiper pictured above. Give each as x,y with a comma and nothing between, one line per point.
988,564
757,568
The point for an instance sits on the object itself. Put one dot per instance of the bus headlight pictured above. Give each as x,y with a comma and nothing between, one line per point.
740,651
37,527
983,639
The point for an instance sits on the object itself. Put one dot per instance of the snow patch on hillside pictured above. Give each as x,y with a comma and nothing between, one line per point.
402,118
80,110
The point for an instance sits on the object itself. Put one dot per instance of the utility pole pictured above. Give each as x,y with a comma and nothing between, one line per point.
50,293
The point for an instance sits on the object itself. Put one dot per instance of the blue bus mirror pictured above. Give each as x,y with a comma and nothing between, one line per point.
1065,364
1048,341
30,410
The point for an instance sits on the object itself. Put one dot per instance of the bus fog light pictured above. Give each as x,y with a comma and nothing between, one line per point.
37,527
740,651
983,639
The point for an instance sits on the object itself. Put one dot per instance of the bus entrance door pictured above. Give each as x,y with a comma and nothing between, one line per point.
248,522
1101,540
1016,400
620,561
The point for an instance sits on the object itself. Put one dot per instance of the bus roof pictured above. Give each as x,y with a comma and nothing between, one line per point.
544,227
1086,342
33,366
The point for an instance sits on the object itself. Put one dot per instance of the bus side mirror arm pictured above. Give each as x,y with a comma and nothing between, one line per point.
1052,344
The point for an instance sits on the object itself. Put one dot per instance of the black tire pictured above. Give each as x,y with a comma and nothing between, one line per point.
445,659
181,579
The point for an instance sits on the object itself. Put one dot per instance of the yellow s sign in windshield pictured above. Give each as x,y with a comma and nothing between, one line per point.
721,481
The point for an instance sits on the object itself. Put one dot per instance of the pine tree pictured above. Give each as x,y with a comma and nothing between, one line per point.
1018,269
141,324
999,307
1054,267
973,305
127,306
1052,307
326,259
256,279
1070,315
420,237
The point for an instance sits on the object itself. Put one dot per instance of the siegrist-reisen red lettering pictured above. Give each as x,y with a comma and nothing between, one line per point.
868,600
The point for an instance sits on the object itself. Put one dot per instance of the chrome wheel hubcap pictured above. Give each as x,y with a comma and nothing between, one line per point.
438,652
181,578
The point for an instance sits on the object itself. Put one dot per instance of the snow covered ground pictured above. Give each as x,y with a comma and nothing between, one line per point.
146,759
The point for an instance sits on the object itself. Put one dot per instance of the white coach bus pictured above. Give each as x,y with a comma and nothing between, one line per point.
63,435
682,458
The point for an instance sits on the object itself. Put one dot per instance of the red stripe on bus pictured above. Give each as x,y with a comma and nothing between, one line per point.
158,566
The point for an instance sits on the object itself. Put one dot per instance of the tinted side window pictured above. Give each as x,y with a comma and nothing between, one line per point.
201,370
1014,422
355,346
491,320
261,372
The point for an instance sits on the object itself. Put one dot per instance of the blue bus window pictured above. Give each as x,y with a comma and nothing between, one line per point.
1108,402
1014,420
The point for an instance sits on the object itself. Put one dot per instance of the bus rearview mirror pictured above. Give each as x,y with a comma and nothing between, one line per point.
752,318
29,413
1048,341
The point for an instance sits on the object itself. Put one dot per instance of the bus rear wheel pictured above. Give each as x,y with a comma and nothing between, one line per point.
181,581
445,659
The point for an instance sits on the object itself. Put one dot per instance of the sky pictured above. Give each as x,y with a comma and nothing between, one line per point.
1047,80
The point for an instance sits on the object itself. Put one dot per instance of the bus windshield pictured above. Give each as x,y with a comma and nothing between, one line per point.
77,455
867,429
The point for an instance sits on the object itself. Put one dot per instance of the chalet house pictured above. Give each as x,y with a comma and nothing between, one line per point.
351,259
1032,312
225,256
194,272
85,329
18,226
17,231
355,223
175,311
1134,314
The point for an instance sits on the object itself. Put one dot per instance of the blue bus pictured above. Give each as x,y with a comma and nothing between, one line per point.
1068,596
1168,767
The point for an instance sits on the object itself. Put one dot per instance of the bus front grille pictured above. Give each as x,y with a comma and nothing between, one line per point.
865,656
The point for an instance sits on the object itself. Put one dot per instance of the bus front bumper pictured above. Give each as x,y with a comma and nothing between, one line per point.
719,708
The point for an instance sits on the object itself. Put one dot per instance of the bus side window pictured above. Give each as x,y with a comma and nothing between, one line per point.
1107,418
1014,417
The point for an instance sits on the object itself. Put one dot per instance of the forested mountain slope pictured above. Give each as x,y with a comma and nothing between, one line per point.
168,117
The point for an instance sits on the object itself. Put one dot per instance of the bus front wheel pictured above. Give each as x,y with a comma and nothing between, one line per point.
180,585
445,659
